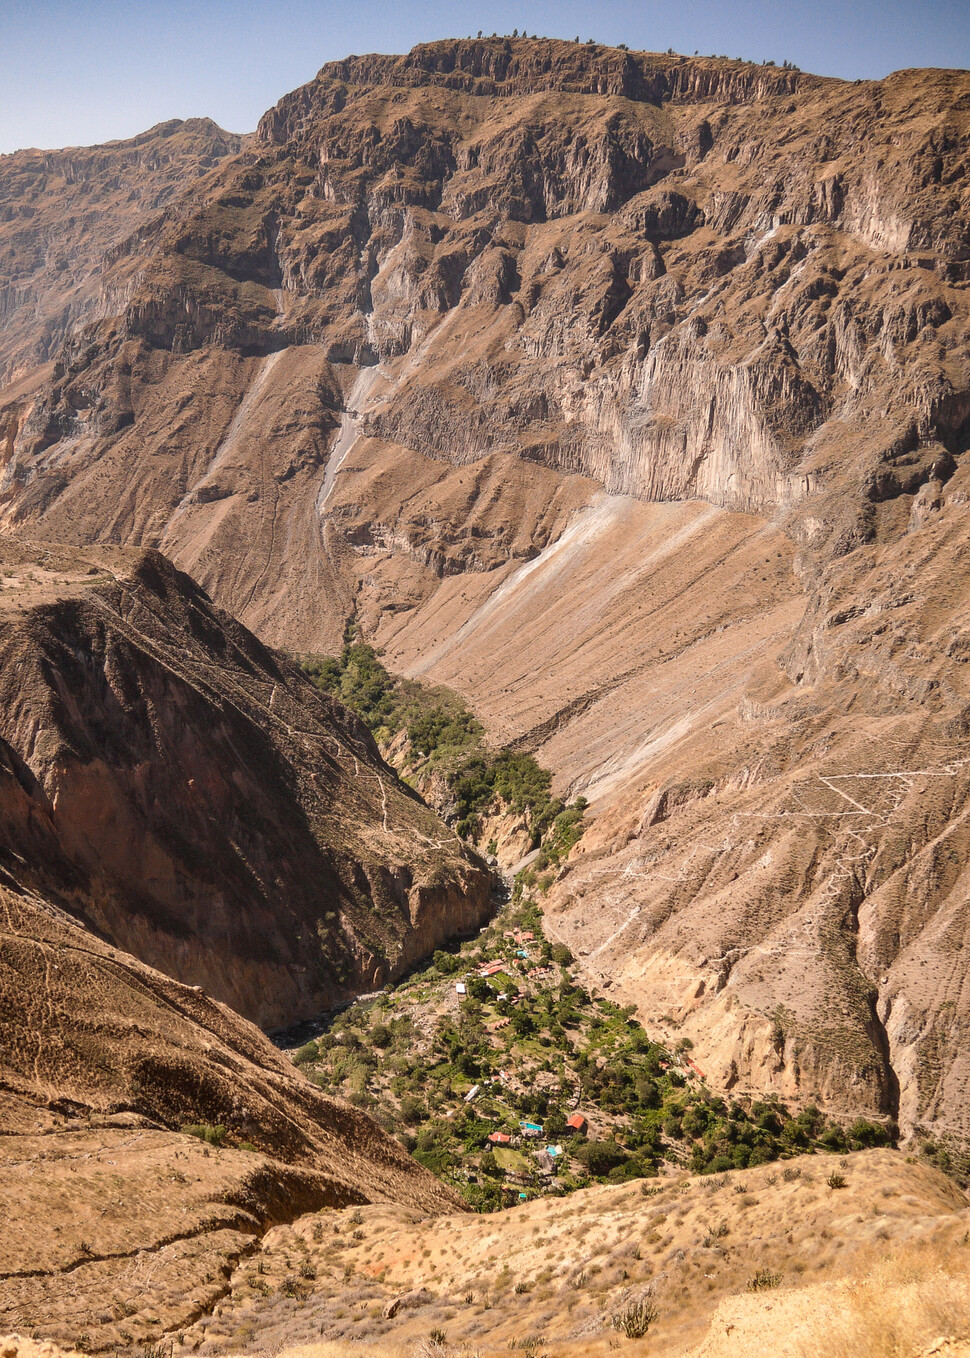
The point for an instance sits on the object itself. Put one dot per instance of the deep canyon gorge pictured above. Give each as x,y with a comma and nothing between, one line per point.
626,396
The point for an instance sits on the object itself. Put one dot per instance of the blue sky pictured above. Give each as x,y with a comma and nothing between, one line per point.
85,71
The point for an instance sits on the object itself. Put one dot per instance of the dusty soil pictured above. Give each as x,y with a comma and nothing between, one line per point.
115,1222
559,1271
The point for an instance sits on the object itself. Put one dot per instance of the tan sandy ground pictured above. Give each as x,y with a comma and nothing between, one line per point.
19,1346
556,1272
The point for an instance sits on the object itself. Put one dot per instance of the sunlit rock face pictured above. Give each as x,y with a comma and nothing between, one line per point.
629,395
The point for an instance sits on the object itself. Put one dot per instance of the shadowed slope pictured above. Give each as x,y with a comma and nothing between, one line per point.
198,802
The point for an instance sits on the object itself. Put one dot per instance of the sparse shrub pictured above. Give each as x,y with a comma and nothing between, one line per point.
306,1269
213,1136
791,1173
636,1319
522,1287
837,1181
763,1280
437,1339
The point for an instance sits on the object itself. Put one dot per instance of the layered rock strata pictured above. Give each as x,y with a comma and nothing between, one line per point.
629,394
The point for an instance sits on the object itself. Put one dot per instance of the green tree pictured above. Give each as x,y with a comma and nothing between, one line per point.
413,1110
600,1157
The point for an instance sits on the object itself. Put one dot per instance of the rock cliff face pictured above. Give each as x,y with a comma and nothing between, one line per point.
629,395
62,212
193,799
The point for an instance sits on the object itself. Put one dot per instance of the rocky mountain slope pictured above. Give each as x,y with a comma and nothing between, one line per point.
62,212
173,793
193,799
117,1226
629,396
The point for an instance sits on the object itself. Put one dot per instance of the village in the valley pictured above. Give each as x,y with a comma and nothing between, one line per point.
504,1076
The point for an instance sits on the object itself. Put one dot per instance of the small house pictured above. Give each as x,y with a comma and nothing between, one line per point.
577,1125
471,1093
460,988
499,1138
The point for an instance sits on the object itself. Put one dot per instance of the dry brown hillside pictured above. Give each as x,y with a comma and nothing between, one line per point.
629,395
191,797
62,212
117,1227
550,1277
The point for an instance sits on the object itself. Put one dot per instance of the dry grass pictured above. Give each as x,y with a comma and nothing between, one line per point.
899,1309
806,1238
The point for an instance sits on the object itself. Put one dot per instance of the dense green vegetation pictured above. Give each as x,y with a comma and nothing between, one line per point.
435,719
443,1070
443,736
414,1055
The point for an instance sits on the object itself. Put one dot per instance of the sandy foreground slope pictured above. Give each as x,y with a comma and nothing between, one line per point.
383,1280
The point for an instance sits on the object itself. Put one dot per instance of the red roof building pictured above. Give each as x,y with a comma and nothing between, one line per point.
577,1123
499,1138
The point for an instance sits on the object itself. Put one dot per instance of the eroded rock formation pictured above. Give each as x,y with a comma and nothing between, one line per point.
629,394
63,212
195,800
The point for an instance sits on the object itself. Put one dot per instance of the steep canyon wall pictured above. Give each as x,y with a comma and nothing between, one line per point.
629,394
